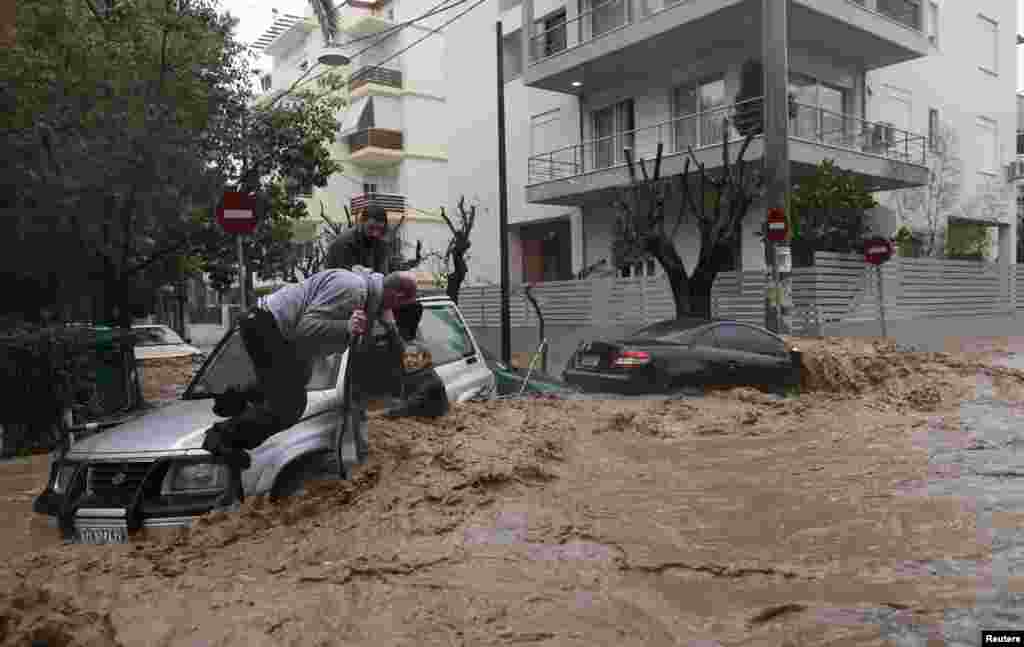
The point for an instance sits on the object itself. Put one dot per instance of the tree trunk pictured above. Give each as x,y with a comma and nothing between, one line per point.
456,276
664,251
700,292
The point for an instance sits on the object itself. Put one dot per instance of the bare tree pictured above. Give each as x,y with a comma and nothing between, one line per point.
718,201
458,247
926,210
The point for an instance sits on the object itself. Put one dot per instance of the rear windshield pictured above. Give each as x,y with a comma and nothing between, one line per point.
672,329
156,336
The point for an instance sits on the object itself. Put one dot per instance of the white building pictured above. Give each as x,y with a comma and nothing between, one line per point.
394,133
638,72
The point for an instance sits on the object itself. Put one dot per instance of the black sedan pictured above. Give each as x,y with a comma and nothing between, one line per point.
677,353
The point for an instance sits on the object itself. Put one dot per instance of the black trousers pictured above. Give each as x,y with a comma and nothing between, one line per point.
282,381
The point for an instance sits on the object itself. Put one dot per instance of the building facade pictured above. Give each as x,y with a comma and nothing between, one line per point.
394,132
587,78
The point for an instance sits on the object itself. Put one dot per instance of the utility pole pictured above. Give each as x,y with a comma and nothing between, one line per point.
775,56
506,315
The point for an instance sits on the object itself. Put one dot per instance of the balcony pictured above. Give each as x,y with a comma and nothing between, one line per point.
388,201
611,40
365,21
359,82
375,147
884,157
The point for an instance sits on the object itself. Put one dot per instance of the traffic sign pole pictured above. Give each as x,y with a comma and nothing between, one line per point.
243,280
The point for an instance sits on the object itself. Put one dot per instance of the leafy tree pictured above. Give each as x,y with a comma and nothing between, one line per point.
968,240
718,201
828,212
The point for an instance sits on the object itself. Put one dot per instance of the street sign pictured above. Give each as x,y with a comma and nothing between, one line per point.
237,213
877,250
777,229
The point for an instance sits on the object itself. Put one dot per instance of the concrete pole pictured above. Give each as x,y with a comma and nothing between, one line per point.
506,316
775,58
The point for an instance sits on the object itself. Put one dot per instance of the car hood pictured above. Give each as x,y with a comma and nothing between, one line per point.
173,428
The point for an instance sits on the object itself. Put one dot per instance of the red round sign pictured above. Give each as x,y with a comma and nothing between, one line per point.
877,250
237,213
776,225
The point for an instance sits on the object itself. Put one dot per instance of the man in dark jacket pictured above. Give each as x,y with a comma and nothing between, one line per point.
284,335
364,244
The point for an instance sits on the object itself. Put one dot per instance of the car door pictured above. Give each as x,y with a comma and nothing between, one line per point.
454,352
755,358
713,360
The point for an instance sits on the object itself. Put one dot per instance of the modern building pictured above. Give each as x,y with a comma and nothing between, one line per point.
394,132
583,80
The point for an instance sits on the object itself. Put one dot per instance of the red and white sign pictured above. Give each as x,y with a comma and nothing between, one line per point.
237,213
877,250
777,228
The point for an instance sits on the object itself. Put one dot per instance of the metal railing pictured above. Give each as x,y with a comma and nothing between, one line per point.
388,201
374,74
607,15
705,129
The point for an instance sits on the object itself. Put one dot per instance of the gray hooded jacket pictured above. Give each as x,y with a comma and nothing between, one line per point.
314,314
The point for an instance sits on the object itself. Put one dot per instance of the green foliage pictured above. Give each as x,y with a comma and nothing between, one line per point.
905,241
828,208
968,240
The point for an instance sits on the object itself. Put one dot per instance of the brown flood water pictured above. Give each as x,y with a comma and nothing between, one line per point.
735,519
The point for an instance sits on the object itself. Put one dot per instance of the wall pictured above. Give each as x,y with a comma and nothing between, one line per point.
950,80
472,145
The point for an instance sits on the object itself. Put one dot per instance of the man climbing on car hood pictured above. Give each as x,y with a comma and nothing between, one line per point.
284,335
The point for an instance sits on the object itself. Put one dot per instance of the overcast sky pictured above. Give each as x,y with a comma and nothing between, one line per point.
256,16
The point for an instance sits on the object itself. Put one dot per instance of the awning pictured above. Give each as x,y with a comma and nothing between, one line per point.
354,115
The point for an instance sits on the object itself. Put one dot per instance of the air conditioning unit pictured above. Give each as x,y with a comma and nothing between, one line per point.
1015,170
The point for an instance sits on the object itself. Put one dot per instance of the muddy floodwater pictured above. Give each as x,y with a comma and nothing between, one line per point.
881,507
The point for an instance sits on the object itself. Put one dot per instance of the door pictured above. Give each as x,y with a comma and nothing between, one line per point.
832,103
454,354
684,109
604,137
712,102
804,91
754,357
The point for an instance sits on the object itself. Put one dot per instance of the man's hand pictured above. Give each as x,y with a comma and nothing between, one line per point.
357,323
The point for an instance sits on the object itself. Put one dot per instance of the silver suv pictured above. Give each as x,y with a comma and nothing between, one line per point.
151,472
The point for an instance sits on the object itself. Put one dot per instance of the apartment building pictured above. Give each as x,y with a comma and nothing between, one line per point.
393,138
586,79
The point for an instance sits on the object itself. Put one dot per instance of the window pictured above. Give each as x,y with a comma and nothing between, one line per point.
1020,142
369,187
697,113
933,130
155,336
613,131
551,36
989,141
748,340
819,109
605,15
988,44
544,130
444,335
932,23
512,53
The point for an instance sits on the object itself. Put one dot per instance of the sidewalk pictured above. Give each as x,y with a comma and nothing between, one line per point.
946,334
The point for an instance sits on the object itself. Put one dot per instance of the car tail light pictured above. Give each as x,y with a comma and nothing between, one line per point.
632,359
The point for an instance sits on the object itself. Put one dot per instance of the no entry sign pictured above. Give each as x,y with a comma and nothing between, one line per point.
877,250
776,225
237,213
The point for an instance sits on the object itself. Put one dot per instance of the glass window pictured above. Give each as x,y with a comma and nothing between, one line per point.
933,130
512,55
231,366
989,142
444,335
551,34
748,340
988,44
708,98
613,131
156,336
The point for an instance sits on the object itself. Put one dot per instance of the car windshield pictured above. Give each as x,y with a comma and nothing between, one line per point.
670,330
230,366
156,336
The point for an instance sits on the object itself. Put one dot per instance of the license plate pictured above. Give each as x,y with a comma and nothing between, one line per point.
590,361
102,535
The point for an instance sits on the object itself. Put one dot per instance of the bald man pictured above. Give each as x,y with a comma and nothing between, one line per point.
284,335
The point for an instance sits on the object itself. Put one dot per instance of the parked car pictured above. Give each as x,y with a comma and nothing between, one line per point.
686,352
151,472
154,341
510,380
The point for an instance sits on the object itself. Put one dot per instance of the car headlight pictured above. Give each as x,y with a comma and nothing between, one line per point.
63,477
195,478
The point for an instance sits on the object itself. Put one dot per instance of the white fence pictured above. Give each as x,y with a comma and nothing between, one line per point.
837,289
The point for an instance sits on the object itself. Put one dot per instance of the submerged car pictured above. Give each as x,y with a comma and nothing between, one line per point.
686,352
154,341
510,381
152,473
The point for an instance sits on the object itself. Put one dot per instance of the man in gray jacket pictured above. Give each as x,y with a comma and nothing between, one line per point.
284,335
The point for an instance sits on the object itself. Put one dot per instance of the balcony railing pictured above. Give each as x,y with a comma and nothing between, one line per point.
607,15
387,201
375,137
378,75
705,130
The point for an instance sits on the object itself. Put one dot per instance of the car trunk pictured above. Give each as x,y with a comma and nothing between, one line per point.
597,355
